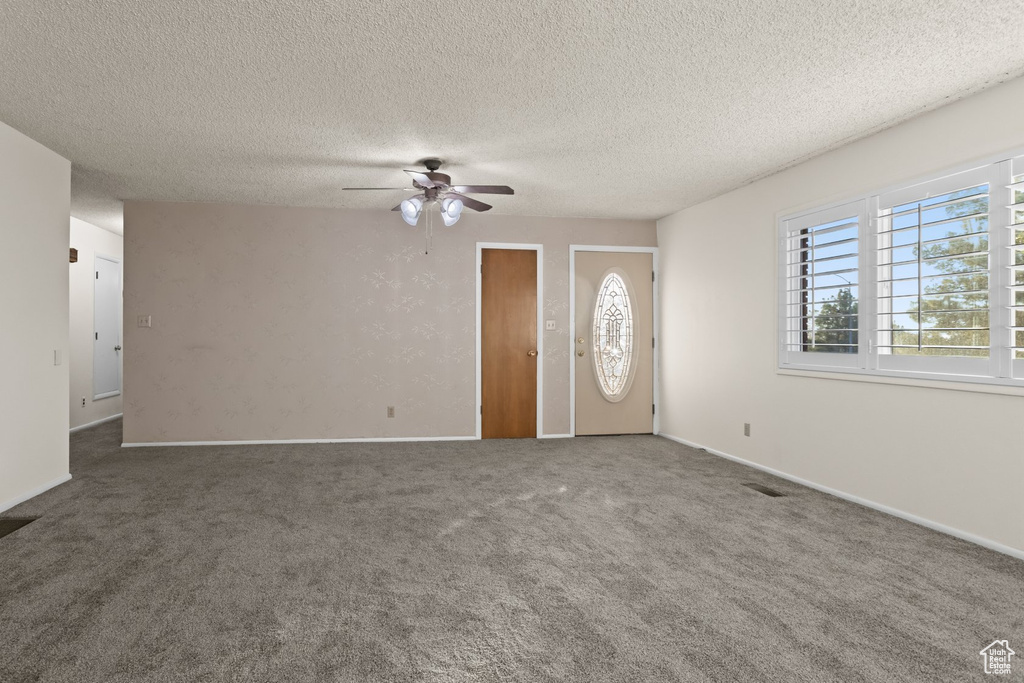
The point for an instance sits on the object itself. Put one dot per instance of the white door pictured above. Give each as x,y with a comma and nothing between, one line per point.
106,357
613,343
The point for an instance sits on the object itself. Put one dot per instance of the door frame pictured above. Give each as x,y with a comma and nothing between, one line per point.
539,248
120,327
653,251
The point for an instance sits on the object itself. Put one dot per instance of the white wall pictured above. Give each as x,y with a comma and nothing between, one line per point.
35,201
89,240
955,458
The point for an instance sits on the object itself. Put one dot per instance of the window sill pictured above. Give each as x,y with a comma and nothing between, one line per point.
973,385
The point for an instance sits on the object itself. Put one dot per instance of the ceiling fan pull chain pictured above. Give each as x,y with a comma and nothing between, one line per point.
427,229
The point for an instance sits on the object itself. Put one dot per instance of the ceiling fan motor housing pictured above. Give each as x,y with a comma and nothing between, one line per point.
439,178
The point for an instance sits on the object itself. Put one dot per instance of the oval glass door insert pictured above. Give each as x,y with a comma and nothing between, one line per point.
613,336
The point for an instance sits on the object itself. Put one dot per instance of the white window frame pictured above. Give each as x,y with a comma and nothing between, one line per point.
998,369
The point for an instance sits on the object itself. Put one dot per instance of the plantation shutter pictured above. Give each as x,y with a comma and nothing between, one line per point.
1015,279
820,258
933,275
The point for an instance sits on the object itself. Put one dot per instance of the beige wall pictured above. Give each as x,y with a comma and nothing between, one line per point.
89,240
35,200
286,323
953,457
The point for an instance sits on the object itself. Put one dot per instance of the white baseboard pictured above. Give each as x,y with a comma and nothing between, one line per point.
7,505
935,526
282,442
95,423
301,441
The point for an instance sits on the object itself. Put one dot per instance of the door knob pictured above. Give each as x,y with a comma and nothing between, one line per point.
580,353
531,353
117,348
579,340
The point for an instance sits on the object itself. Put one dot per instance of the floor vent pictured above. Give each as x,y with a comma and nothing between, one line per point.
765,490
9,525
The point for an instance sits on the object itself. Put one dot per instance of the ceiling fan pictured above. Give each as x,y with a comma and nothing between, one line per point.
435,187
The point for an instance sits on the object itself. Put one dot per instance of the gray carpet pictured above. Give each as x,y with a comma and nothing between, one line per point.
600,559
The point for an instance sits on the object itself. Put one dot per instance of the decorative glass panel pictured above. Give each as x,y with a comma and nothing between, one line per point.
613,337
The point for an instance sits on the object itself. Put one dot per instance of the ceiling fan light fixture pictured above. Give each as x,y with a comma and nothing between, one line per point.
411,209
451,210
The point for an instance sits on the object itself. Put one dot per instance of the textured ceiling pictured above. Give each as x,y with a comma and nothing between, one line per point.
598,108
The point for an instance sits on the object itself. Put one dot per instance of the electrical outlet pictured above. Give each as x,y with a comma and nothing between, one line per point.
746,429
391,411
145,321
83,401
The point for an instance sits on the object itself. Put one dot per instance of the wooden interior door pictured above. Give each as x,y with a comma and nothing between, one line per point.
631,410
508,344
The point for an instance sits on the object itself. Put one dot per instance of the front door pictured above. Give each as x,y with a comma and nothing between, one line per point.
614,341
106,358
508,343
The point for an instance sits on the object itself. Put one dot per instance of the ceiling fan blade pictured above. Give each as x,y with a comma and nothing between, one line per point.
422,179
484,189
393,189
469,202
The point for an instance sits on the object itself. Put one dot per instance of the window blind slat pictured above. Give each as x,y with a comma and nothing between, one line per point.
826,245
927,205
915,330
932,277
929,224
806,232
929,346
826,259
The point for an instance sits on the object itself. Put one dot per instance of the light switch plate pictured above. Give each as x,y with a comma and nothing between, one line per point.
145,321
549,325
56,356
